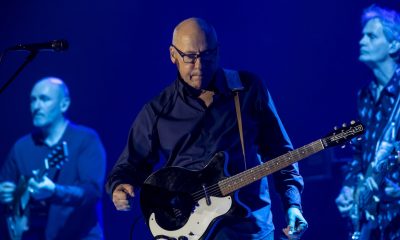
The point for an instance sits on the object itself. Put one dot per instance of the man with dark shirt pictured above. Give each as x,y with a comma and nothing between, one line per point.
374,172
65,203
194,119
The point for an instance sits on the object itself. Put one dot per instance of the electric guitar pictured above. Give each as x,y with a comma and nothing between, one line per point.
18,216
180,204
366,201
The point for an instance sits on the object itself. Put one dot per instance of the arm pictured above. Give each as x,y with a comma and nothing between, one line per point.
88,189
8,177
136,161
275,142
288,181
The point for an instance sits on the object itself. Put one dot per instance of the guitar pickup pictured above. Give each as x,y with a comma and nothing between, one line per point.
208,199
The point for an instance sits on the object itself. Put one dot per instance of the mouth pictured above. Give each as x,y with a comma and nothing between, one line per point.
36,115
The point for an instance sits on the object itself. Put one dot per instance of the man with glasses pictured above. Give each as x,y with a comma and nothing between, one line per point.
192,121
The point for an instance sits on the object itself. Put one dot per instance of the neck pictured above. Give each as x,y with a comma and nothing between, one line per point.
207,97
53,133
384,72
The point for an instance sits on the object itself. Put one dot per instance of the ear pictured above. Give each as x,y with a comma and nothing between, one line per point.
172,55
394,46
65,104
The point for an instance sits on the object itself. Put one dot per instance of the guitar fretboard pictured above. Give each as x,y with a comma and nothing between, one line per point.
242,179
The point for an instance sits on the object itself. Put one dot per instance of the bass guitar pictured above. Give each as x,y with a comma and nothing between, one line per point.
180,204
18,216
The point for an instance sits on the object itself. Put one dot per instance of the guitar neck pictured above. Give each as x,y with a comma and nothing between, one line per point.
251,175
40,174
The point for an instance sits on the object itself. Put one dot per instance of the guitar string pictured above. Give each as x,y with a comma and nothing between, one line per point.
261,170
297,154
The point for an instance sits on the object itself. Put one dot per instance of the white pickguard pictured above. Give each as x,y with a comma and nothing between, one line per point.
198,221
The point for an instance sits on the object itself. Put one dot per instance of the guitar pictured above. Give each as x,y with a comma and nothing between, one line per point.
18,216
365,205
182,204
366,201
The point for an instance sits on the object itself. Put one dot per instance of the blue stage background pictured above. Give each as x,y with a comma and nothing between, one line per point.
118,59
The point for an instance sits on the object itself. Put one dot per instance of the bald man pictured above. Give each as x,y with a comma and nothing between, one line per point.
65,203
193,125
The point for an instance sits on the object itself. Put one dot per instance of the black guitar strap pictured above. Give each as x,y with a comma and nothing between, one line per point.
234,83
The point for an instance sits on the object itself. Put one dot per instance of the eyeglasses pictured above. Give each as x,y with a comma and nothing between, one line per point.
208,55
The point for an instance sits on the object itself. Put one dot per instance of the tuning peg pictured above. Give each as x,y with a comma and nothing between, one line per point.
359,139
343,146
344,125
352,122
335,128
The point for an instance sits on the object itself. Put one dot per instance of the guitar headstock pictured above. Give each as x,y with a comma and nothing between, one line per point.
343,134
57,157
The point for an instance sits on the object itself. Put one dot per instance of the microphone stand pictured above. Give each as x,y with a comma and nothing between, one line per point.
28,59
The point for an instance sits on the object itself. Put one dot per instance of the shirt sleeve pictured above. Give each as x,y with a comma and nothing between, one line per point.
91,172
274,141
138,157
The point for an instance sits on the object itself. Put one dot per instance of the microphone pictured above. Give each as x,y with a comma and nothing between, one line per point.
55,45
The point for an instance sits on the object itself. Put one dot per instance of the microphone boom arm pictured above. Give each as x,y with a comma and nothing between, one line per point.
28,59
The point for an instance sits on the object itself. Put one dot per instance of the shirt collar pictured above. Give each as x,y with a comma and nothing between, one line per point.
391,88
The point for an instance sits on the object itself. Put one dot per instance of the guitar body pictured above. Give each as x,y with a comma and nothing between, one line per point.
18,215
176,206
17,219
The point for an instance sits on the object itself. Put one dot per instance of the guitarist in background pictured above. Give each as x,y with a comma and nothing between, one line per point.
193,119
65,203
380,51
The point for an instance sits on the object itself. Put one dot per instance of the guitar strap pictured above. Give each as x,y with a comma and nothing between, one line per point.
236,86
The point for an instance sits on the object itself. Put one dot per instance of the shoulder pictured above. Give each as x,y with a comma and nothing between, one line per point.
251,81
82,131
24,141
165,97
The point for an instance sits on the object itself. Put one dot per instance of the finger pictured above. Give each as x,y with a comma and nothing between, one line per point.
120,195
368,184
122,205
8,189
302,227
374,185
6,199
389,190
291,224
8,185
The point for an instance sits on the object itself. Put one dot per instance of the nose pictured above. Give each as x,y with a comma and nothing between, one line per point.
362,40
199,62
35,105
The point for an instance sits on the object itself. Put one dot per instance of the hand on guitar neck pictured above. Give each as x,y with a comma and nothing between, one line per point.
41,189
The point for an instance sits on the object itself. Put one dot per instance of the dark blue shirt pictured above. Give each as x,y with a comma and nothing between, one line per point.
178,127
74,209
375,112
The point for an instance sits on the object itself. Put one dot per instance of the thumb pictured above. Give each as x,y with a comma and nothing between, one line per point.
291,221
128,189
